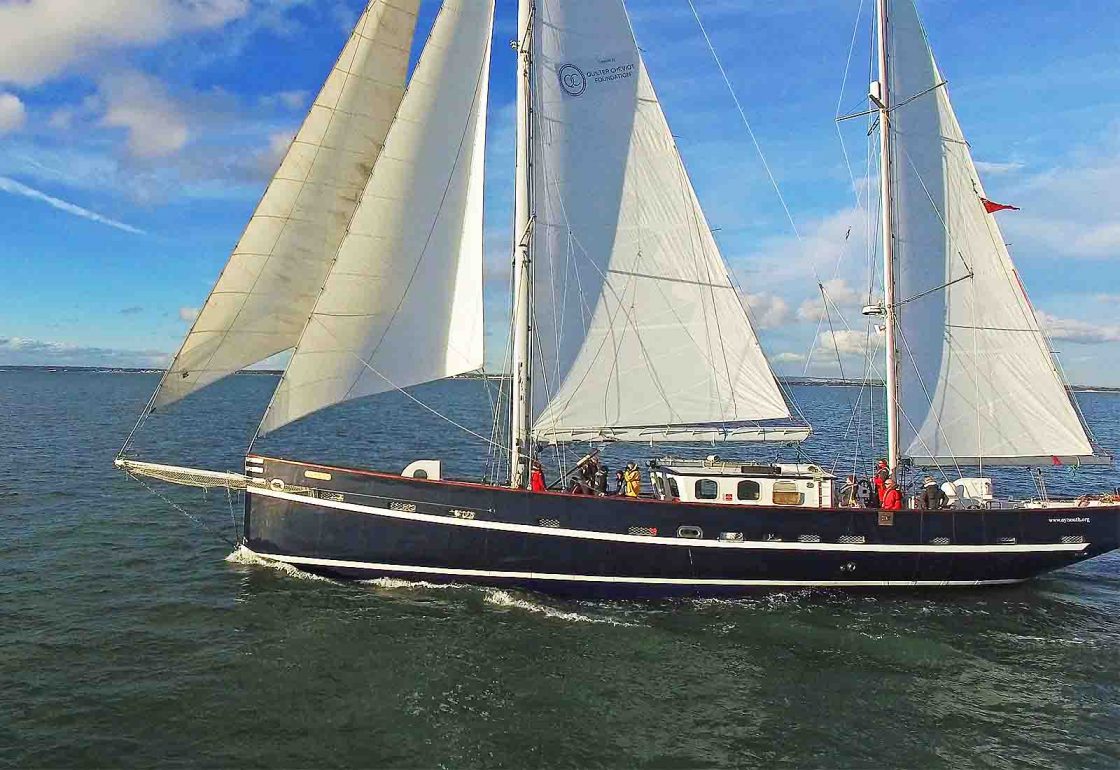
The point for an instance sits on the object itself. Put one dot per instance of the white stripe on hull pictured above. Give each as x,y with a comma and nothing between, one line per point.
554,576
671,541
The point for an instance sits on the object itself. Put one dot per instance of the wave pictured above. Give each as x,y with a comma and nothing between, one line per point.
242,555
504,599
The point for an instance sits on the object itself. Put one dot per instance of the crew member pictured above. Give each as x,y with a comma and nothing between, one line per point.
933,497
633,479
848,493
892,498
600,481
882,473
536,477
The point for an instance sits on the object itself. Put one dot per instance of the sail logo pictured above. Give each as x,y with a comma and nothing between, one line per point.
572,80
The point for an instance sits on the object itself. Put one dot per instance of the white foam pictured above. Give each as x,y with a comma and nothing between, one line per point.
502,598
243,555
398,583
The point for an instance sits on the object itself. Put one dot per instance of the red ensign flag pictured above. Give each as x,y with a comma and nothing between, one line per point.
992,207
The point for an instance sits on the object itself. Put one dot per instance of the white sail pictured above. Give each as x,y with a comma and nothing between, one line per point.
977,381
637,325
262,299
403,302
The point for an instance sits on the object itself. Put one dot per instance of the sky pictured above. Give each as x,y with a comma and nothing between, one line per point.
136,136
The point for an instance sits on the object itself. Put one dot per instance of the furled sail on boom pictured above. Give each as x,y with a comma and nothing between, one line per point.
403,302
261,301
639,332
977,381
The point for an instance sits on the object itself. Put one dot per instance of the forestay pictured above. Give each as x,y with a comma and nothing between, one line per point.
266,291
977,380
638,329
403,302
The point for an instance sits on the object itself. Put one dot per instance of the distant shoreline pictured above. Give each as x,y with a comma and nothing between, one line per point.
834,382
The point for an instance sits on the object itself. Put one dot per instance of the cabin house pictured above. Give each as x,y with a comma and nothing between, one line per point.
731,482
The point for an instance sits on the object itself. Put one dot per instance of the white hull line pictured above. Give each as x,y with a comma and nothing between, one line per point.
400,568
752,545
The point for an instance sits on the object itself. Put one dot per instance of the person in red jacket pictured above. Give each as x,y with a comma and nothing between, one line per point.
536,477
892,498
882,473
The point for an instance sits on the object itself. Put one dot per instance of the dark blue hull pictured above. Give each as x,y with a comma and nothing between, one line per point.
360,525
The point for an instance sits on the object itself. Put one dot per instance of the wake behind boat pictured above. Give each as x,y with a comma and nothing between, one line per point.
365,258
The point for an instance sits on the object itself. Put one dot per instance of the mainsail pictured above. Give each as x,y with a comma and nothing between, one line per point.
977,381
638,331
261,301
403,301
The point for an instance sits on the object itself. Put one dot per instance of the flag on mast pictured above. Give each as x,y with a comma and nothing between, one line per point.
992,207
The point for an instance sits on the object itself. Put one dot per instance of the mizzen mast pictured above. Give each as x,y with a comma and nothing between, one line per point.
881,98
521,366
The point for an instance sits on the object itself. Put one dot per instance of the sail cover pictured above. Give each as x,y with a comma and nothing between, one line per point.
403,302
637,326
264,295
977,381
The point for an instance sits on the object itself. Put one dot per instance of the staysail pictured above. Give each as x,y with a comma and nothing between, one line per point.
638,331
261,301
403,301
977,381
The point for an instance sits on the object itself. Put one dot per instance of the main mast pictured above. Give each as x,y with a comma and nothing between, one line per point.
881,97
521,412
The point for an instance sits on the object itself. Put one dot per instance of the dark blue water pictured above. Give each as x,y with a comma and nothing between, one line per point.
128,640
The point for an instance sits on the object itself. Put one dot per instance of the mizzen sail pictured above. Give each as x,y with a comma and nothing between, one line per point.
403,302
261,301
977,381
638,331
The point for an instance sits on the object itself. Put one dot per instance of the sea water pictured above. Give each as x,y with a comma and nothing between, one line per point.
134,634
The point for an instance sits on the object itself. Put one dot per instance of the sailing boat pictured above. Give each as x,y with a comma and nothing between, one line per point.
364,258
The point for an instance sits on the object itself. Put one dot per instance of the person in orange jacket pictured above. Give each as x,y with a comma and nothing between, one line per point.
892,498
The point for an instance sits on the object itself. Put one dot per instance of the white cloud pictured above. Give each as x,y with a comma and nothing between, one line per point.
1075,330
849,342
1069,211
21,351
12,113
17,188
139,104
188,314
788,264
292,100
985,167
789,358
268,160
840,295
768,311
42,39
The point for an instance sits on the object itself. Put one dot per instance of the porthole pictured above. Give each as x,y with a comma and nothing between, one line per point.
706,489
749,490
419,473
690,532
276,485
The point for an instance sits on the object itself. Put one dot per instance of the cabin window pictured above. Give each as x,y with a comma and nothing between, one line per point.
749,490
420,473
706,489
690,532
674,490
786,493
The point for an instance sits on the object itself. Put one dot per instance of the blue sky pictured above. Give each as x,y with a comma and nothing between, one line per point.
136,136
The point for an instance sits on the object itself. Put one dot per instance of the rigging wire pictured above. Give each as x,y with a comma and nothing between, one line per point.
743,115
180,509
